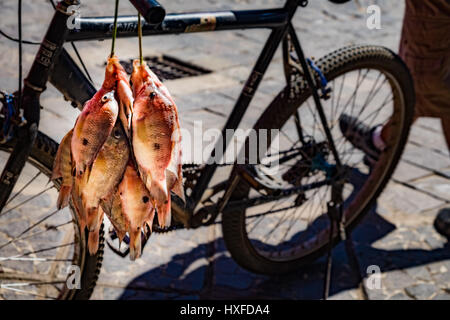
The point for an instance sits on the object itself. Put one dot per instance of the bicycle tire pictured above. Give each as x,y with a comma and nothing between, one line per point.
43,152
332,65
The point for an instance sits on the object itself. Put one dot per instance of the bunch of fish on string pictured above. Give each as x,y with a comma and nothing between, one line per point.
123,156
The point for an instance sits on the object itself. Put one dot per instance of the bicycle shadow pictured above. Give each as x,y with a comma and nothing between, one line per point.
222,278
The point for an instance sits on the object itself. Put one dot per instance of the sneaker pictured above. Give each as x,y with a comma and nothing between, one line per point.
360,136
442,222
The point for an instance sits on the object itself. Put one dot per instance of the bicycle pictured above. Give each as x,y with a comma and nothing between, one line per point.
272,222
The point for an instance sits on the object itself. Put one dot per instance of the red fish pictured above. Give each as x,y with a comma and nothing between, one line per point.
137,206
156,139
99,115
105,174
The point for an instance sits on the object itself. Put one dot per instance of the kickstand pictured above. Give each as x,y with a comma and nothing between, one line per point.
326,289
336,219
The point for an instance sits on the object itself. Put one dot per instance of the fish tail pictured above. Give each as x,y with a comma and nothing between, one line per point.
158,190
164,213
149,221
120,233
178,189
63,198
93,241
135,244
92,218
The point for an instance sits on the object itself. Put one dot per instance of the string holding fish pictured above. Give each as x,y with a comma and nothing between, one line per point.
114,35
141,58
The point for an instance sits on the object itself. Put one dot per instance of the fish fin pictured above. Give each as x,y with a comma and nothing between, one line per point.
149,221
106,204
87,173
120,233
92,220
158,190
135,244
56,172
65,142
93,241
178,189
164,213
143,176
80,169
63,197
79,211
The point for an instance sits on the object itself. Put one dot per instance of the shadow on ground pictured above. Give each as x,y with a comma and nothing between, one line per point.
217,276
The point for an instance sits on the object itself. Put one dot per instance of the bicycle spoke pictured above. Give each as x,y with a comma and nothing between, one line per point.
36,233
19,258
25,292
23,188
373,92
25,201
358,84
31,227
46,249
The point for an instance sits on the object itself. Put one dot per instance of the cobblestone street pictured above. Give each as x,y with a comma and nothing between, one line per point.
397,235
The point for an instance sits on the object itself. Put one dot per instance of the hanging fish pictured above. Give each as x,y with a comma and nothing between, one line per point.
62,168
106,173
137,207
112,206
96,121
124,94
156,139
94,236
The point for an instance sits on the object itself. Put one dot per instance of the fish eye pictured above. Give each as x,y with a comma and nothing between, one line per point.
152,94
117,133
105,98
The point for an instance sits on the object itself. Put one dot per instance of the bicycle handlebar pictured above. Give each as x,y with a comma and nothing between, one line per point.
152,11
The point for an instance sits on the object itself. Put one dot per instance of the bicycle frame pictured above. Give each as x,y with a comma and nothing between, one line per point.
52,62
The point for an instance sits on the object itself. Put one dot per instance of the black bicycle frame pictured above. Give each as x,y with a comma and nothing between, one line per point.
53,63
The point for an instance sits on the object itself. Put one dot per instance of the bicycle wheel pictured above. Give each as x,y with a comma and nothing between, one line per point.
43,252
368,82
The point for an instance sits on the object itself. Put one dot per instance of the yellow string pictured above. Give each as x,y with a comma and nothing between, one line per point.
141,58
115,28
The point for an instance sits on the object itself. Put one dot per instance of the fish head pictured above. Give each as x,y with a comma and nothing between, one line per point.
108,103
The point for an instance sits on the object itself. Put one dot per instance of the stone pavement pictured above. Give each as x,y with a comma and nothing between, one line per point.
398,235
